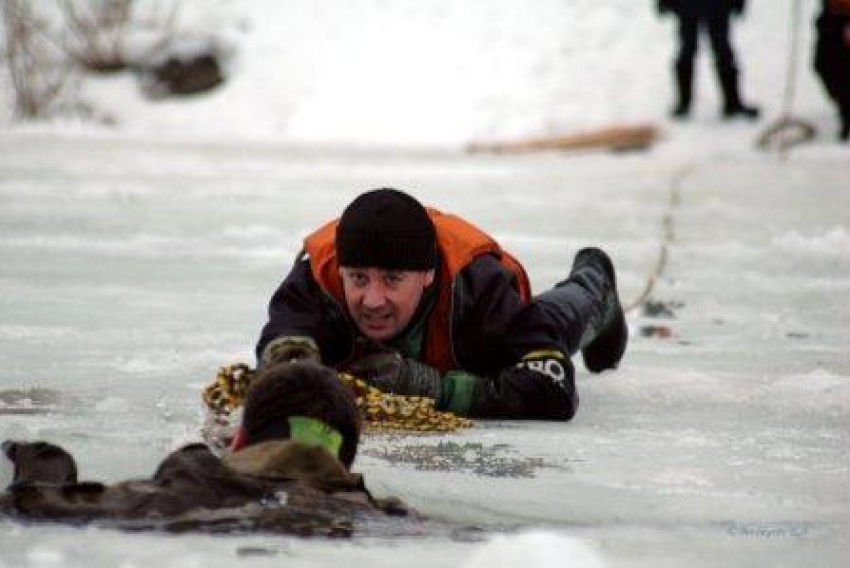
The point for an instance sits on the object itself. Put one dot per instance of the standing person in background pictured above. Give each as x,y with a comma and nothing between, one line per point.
832,57
713,16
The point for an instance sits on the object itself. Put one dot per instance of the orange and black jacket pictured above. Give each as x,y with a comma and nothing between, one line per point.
478,318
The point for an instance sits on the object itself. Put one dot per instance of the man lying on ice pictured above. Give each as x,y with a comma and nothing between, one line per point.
419,302
288,471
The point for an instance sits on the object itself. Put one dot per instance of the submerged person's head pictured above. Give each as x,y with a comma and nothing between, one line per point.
386,246
305,402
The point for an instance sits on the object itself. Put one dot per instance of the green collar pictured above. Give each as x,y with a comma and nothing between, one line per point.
312,432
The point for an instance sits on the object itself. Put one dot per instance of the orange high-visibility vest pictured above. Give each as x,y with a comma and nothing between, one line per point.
459,243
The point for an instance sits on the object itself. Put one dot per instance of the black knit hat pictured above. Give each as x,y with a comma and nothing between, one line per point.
386,228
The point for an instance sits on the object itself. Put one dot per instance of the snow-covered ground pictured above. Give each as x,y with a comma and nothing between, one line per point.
136,259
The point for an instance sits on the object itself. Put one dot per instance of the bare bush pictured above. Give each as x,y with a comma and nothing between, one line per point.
99,32
34,63
45,50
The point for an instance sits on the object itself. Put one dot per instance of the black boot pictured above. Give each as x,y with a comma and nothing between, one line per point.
680,111
733,106
732,110
604,342
684,90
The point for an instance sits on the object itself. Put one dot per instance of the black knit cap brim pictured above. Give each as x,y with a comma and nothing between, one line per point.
386,228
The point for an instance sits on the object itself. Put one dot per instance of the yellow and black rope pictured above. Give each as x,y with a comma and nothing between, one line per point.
381,411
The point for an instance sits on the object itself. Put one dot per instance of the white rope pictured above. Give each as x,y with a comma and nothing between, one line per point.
668,235
788,131
793,59
33,26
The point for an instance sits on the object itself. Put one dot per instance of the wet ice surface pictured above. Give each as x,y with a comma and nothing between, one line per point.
132,269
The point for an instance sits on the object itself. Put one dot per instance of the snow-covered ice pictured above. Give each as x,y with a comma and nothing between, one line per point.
136,259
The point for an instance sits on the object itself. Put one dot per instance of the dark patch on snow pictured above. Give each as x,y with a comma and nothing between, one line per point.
657,331
661,309
29,401
183,66
489,461
797,335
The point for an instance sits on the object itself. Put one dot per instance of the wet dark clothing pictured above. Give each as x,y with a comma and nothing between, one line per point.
713,17
277,486
832,58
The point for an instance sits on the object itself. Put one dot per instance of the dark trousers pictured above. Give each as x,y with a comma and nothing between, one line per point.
716,25
832,61
578,304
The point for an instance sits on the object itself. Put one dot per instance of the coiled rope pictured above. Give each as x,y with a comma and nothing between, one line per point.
788,131
381,411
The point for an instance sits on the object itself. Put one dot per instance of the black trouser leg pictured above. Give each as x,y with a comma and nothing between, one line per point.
727,69
577,304
588,310
841,93
844,109
683,66
724,59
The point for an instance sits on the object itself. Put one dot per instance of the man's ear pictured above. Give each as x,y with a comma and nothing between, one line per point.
429,277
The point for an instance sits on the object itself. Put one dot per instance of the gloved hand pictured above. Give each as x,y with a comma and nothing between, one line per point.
540,386
388,371
290,348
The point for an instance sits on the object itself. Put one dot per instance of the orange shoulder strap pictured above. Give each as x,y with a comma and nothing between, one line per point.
461,242
321,248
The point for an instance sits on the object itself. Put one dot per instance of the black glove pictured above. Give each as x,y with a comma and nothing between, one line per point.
388,371
541,386
288,349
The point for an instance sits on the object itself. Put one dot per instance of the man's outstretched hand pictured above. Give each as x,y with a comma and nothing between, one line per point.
288,349
388,371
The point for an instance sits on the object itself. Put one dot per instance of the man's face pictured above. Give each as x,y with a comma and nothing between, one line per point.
382,302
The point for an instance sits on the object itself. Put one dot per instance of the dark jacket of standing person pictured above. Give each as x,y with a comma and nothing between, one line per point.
711,16
832,57
476,342
300,432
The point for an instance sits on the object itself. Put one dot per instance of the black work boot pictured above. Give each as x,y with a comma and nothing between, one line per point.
684,90
732,110
606,340
680,111
733,107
